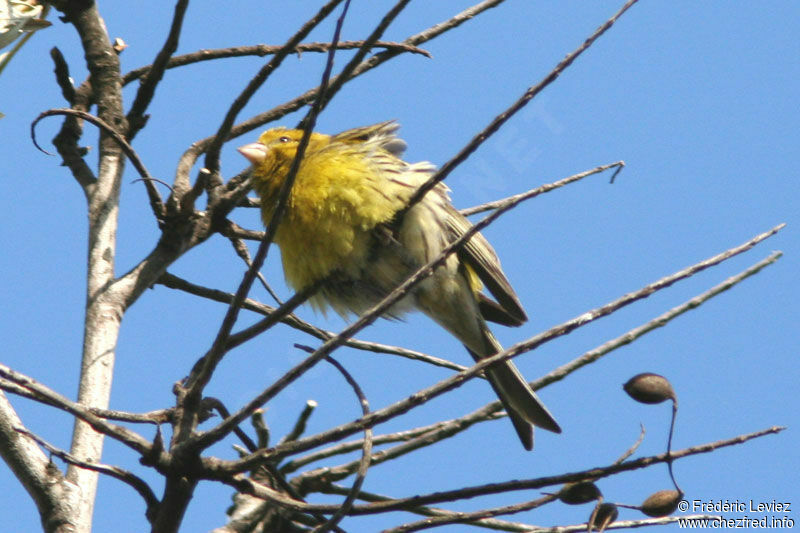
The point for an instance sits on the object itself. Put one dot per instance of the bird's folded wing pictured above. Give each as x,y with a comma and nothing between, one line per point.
479,255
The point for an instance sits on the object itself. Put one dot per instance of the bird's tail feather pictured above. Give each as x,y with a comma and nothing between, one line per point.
523,406
523,428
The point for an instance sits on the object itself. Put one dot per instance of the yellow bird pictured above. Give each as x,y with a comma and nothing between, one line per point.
341,228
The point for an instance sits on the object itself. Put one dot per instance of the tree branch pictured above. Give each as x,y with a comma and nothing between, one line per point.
261,50
127,477
456,380
523,100
103,310
155,198
53,495
412,502
147,89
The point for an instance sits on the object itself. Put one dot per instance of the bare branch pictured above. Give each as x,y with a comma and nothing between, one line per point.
212,155
347,447
538,483
488,206
523,100
300,425
49,397
159,416
623,524
596,353
412,440
366,452
661,320
244,254
635,446
63,79
455,426
155,198
127,477
292,320
147,89
457,379
262,50
488,523
214,472
30,466
471,517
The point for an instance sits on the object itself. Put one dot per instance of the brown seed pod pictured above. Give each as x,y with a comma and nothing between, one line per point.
578,493
649,388
662,503
604,514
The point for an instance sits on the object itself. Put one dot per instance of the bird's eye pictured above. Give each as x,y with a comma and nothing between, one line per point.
284,139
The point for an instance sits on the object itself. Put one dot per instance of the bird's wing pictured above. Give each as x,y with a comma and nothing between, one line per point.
382,135
479,255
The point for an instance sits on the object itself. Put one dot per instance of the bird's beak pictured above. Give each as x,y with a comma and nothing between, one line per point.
254,152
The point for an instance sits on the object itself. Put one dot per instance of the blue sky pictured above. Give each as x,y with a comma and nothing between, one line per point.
699,100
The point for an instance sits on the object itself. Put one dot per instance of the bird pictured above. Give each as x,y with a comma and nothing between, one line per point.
348,227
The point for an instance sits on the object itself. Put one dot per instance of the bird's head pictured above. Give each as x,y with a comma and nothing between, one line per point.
276,149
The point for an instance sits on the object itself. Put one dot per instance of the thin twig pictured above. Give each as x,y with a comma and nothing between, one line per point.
624,524
212,155
261,50
455,426
155,198
49,397
366,452
327,92
147,88
470,517
349,446
224,341
300,425
61,70
215,471
292,320
559,330
370,316
523,100
411,440
669,443
244,254
663,319
127,477
488,523
635,446
219,407
488,206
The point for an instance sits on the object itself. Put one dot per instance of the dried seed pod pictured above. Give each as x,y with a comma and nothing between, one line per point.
662,503
604,514
649,388
578,493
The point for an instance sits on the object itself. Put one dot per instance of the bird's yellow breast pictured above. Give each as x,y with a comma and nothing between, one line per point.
338,197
